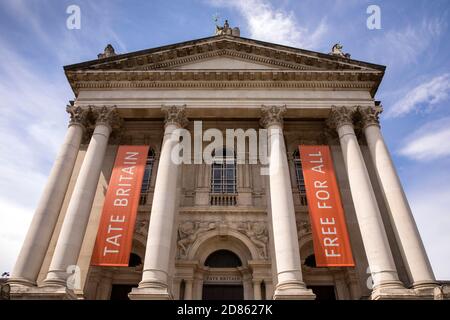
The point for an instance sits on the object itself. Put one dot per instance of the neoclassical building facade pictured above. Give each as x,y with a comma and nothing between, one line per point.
223,230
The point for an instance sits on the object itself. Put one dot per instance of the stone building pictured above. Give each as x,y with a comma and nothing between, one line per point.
223,230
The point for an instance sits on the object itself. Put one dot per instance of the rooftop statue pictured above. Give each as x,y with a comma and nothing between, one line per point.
337,51
108,52
226,30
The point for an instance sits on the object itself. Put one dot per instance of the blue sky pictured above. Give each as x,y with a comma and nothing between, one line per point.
413,43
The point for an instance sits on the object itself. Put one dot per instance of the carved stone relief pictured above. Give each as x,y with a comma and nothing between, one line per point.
189,232
141,226
303,228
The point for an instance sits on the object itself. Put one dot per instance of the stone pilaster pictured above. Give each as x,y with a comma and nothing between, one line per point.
257,289
188,289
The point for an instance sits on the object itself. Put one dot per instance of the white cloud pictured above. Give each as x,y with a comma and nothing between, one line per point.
32,105
430,142
15,222
422,97
32,127
275,25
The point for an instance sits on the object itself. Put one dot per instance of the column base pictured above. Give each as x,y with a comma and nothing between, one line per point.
293,291
21,282
53,283
393,292
41,293
425,290
150,293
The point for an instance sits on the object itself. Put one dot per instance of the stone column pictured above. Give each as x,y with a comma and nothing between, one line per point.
36,243
352,280
257,290
77,216
105,286
198,287
188,289
269,289
154,284
290,281
402,220
246,283
376,245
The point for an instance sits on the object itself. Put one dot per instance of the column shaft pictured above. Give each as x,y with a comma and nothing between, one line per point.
283,214
257,290
290,282
155,275
162,216
77,216
402,220
188,290
374,237
198,288
36,243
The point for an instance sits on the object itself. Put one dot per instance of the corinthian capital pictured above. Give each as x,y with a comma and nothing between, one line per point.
107,115
78,115
340,116
272,115
370,116
175,115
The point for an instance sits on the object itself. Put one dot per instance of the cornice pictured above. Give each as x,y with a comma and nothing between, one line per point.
224,85
356,80
224,75
222,210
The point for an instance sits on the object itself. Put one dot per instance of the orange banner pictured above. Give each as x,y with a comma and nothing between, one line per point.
330,237
115,233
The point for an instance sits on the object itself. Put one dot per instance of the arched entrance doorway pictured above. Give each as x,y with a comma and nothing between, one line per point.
223,279
120,291
222,263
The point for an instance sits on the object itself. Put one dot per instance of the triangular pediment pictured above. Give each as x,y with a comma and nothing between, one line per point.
225,62
224,52
225,59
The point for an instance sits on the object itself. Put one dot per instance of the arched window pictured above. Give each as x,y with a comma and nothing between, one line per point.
146,181
299,173
223,259
223,175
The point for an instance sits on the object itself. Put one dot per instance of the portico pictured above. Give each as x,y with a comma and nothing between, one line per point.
224,228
